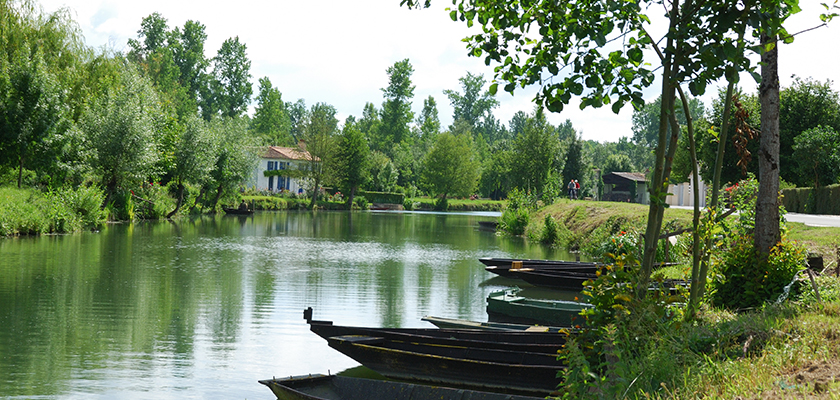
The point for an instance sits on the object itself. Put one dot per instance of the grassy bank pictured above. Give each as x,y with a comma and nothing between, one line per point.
781,350
32,212
585,225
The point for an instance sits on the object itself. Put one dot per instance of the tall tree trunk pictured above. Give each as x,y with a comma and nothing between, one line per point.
767,232
179,202
218,196
350,198
198,198
662,165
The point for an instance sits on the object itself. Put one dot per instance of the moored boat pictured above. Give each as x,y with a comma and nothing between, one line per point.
558,279
487,369
506,266
450,323
536,341
508,306
237,211
335,387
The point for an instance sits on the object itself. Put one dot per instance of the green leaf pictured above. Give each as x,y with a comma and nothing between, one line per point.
493,88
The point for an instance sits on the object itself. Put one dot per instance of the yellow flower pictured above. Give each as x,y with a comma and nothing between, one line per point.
622,297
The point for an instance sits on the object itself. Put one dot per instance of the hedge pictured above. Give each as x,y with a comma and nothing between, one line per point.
382,197
823,200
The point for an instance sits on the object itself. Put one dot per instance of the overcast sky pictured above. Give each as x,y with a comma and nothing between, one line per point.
337,51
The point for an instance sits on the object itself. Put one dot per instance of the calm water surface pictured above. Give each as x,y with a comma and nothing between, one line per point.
203,308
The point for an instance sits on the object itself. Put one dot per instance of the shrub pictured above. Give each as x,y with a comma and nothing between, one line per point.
748,281
550,230
361,202
441,204
153,201
514,221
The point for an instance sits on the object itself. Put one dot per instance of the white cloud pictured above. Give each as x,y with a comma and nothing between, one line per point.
337,51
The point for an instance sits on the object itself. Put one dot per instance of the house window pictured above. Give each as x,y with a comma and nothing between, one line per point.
270,183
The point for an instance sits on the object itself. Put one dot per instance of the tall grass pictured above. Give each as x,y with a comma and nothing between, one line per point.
31,212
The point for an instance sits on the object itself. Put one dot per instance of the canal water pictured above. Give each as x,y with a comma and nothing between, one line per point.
202,308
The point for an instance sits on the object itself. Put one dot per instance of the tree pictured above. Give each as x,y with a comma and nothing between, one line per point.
646,120
190,59
352,160
396,109
428,120
708,139
533,40
231,73
120,132
271,122
319,135
817,154
804,105
234,158
32,110
573,167
534,151
617,163
297,118
383,173
473,105
451,167
194,155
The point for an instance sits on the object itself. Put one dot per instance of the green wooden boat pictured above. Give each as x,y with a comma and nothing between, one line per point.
506,305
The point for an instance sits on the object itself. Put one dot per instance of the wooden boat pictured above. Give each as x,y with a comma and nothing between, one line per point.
540,341
571,280
449,323
334,387
487,369
507,305
237,211
558,279
505,266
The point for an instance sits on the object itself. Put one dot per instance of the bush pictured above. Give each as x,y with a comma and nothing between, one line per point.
361,202
747,281
441,204
121,206
549,232
623,243
153,201
514,221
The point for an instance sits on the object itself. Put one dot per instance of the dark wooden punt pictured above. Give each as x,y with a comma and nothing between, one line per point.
236,211
512,307
534,341
334,387
450,323
571,280
487,369
505,266
554,278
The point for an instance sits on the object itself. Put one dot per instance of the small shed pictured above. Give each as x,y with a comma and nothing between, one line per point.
627,187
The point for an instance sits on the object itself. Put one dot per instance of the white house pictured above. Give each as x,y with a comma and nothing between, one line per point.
275,158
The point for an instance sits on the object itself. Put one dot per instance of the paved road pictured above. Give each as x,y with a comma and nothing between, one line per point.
814,220
807,219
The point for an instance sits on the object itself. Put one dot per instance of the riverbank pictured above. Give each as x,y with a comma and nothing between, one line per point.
784,349
588,224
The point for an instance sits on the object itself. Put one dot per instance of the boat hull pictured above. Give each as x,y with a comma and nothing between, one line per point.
487,369
506,305
333,387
